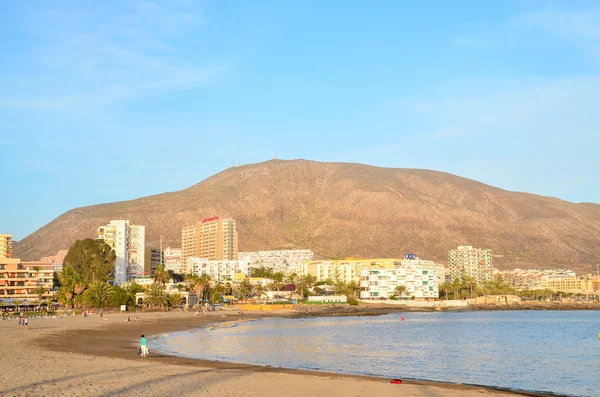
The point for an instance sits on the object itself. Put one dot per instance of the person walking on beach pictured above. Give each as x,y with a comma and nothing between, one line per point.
25,322
144,346
19,323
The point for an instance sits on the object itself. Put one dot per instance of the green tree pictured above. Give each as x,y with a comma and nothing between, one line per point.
134,288
161,276
262,272
120,296
37,270
98,293
72,285
93,260
40,291
399,290
174,299
244,289
201,286
155,296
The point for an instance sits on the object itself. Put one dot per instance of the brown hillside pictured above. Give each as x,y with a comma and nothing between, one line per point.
343,209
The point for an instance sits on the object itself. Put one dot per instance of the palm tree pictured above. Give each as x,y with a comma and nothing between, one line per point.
161,276
174,299
154,296
259,290
200,284
98,293
399,290
37,272
40,291
188,279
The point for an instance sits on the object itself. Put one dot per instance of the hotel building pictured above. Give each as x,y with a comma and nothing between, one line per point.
5,245
213,238
128,241
466,261
19,280
221,270
382,283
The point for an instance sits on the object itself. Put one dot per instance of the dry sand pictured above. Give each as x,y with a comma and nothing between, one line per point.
96,356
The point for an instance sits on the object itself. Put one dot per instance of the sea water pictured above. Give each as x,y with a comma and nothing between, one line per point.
544,351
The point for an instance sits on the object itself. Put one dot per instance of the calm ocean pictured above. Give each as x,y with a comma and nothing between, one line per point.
547,351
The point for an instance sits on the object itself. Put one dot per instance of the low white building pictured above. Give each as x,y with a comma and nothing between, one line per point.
284,261
412,260
381,283
217,270
328,298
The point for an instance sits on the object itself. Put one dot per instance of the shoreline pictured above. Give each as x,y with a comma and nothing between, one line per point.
119,339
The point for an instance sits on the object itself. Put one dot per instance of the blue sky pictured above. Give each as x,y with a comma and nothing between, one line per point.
114,100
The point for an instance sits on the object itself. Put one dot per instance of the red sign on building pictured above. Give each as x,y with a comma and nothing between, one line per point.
214,218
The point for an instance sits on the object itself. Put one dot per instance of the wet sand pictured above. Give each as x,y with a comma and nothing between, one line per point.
97,356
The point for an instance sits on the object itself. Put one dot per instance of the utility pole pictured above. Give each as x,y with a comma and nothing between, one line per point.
161,251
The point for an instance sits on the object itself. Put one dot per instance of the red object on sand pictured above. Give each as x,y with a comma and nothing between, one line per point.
396,382
401,318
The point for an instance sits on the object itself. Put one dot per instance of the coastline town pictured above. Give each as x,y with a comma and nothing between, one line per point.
208,265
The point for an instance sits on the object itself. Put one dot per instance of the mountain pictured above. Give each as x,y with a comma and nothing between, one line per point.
345,209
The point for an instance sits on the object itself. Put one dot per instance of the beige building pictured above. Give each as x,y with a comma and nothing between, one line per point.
5,245
214,239
346,270
466,261
19,281
582,285
188,243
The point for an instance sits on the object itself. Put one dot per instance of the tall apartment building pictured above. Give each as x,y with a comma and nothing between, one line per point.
214,239
188,243
466,261
152,259
128,241
5,245
19,281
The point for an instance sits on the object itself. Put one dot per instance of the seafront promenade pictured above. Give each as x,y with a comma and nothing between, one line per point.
97,356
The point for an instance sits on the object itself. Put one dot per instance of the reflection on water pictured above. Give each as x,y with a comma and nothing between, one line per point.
540,351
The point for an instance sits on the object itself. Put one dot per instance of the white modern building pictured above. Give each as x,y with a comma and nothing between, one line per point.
382,283
218,270
172,258
128,241
284,261
412,260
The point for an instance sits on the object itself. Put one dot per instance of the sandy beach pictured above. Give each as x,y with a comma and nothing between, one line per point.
97,356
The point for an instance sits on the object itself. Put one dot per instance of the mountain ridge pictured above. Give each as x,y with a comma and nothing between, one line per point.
349,209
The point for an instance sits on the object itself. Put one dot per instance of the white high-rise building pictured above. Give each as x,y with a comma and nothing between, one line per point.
128,241
466,261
